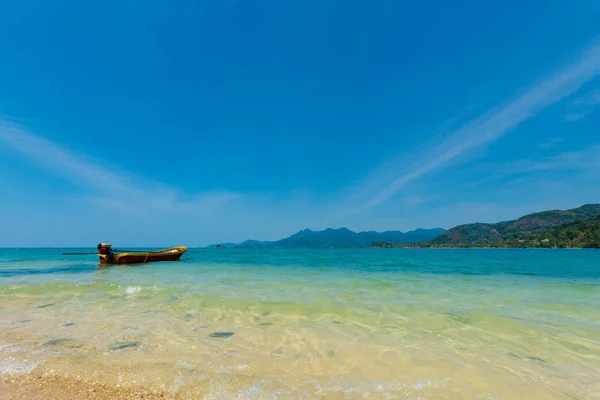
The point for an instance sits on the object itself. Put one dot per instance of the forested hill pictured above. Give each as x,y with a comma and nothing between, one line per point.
578,234
482,233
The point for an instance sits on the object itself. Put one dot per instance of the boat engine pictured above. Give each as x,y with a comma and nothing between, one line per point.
104,248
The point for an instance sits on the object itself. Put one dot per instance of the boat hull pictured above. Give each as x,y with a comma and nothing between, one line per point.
173,254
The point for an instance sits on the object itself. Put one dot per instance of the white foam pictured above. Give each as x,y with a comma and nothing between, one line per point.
183,364
177,383
133,289
11,349
421,385
254,391
226,369
10,366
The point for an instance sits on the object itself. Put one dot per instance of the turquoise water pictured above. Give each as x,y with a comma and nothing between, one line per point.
331,324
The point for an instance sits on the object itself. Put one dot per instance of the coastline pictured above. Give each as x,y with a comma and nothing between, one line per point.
412,246
53,387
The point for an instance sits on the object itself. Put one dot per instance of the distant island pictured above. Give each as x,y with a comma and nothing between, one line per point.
337,238
574,228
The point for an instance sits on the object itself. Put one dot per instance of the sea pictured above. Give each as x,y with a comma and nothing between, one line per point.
311,324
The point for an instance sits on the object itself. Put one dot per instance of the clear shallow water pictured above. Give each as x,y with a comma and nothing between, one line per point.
331,324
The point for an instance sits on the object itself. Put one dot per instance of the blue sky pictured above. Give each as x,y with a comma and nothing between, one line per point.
179,122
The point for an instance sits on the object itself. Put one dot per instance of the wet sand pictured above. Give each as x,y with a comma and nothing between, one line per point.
48,387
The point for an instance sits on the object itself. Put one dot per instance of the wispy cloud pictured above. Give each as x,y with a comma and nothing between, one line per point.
574,117
549,144
590,99
103,184
582,106
154,210
579,160
494,124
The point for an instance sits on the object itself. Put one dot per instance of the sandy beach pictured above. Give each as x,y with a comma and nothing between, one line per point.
48,387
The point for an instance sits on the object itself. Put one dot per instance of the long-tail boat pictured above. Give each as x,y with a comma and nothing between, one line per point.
108,255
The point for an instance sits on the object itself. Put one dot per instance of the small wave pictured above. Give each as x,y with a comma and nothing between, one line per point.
255,390
183,364
386,389
11,349
420,385
10,366
133,289
227,369
69,269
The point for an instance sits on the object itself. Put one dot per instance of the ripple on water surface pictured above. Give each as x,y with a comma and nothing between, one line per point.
313,324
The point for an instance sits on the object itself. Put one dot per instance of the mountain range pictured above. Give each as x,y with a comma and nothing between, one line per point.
338,238
511,233
577,227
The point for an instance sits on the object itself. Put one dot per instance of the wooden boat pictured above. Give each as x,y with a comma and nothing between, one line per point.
138,257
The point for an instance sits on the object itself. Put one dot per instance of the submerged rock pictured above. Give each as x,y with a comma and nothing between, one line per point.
463,319
122,345
64,342
54,342
222,335
533,358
